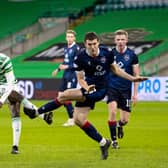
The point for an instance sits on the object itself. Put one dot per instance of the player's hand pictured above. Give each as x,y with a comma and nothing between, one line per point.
54,73
134,100
140,78
63,67
91,89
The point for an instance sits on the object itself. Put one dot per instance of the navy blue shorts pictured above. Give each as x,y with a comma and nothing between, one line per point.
91,98
123,98
68,83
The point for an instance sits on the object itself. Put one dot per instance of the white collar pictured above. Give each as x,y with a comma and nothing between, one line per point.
123,50
71,45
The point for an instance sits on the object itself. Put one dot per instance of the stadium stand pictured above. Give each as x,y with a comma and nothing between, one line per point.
39,20
17,15
148,19
112,5
152,19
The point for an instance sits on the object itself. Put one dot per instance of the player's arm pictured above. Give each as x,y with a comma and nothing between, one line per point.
118,71
61,67
54,73
136,72
83,83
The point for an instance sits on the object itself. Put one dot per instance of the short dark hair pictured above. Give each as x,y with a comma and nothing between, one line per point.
91,36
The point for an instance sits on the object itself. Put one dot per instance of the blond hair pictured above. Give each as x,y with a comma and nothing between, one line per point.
121,32
71,32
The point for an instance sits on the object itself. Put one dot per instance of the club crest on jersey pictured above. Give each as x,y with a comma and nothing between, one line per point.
126,57
103,59
70,51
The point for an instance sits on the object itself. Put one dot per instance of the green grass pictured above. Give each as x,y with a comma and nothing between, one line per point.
145,143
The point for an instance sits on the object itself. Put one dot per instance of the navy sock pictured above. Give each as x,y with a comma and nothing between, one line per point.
91,131
69,108
120,123
112,127
52,105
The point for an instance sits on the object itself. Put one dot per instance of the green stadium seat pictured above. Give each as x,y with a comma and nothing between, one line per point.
97,10
27,13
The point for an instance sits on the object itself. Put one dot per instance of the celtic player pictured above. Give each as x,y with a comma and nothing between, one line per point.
9,91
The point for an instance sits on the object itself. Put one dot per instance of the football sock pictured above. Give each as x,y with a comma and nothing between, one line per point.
16,126
112,127
28,104
102,142
69,108
52,105
120,123
91,131
41,116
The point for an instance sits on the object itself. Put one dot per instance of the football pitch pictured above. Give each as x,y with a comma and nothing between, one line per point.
145,143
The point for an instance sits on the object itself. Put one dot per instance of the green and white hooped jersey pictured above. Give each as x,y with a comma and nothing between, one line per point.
5,67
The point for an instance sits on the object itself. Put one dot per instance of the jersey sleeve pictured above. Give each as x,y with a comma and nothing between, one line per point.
111,57
7,65
135,59
78,63
76,51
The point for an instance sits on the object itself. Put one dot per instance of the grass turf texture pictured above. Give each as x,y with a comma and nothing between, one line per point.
145,143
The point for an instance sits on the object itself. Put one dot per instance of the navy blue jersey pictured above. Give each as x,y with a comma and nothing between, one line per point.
69,55
69,79
96,68
125,61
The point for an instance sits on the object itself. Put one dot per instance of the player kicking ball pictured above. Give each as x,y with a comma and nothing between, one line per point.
92,65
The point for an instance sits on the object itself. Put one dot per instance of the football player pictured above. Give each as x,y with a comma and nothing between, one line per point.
69,79
93,65
119,93
9,91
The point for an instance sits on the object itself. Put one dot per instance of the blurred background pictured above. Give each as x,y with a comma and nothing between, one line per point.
33,35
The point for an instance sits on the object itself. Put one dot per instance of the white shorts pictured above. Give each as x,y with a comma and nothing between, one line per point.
5,91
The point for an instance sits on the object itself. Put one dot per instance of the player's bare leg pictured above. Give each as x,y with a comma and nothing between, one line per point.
26,103
70,94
